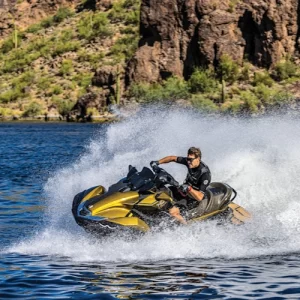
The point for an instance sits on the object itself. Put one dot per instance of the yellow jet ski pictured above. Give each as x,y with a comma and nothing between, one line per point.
140,202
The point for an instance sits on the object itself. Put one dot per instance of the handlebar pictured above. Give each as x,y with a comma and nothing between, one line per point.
163,176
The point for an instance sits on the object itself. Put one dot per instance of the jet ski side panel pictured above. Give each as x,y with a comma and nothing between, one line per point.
132,222
115,199
207,216
114,212
99,190
155,200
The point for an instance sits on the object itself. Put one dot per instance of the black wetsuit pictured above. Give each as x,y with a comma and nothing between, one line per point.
198,178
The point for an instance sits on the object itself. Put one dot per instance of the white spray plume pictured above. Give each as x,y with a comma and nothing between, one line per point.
259,157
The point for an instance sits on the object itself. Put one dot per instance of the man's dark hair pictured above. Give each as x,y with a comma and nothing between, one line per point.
195,151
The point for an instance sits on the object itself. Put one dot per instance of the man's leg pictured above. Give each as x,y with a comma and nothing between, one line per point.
175,212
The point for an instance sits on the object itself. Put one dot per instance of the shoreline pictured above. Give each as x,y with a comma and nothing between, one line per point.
96,120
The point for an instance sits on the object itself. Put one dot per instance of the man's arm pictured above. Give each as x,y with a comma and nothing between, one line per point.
197,195
203,183
167,159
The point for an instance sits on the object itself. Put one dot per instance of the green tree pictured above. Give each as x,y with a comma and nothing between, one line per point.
228,70
202,81
32,110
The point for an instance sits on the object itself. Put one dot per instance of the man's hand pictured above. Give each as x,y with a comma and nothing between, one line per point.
185,188
154,164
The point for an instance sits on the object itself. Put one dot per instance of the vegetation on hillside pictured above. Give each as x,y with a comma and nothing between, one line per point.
51,64
228,88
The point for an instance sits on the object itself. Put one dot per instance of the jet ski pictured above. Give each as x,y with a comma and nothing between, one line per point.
140,202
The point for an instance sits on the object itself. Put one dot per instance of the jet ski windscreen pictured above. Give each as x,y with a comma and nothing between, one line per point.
141,181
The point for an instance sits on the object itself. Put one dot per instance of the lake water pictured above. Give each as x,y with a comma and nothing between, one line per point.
45,255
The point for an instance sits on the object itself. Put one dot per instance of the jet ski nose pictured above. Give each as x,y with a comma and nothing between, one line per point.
84,212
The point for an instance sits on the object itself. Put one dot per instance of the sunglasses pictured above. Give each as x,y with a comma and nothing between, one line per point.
190,159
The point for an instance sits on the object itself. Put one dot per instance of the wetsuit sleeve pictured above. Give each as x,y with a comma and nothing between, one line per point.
203,182
182,160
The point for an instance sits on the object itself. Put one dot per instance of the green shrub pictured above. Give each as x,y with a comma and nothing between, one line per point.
130,30
133,17
138,90
131,3
118,12
63,106
6,112
62,47
171,89
66,67
14,65
62,14
25,79
10,95
66,35
143,92
264,93
33,56
48,22
18,54
10,43
263,78
282,97
124,48
175,88
234,106
37,44
83,79
17,59
251,102
94,25
245,72
127,11
43,83
202,102
56,90
7,45
228,70
94,59
285,70
202,81
34,28
32,110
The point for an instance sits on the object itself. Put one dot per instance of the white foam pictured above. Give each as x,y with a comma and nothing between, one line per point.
258,157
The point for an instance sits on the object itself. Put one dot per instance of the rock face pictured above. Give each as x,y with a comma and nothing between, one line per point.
179,35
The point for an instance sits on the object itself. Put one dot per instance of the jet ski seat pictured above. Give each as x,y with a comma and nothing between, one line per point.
218,195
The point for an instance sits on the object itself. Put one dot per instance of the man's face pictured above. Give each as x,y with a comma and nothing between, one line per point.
193,161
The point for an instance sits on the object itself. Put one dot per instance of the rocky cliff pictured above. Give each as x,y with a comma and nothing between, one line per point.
179,35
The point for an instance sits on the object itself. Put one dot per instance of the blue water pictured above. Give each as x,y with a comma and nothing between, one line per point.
45,255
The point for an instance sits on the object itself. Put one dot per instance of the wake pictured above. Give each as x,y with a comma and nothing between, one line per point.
258,157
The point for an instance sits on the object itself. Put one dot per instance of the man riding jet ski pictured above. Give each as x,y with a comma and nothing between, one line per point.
142,200
193,192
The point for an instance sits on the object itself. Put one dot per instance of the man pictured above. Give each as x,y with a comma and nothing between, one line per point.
194,187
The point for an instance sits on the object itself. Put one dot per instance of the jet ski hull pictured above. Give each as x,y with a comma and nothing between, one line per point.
140,202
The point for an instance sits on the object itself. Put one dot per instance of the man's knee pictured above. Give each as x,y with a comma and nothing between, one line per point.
174,211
